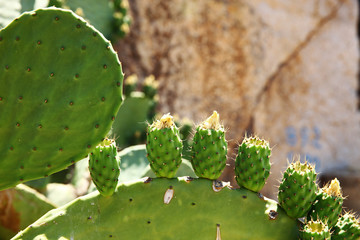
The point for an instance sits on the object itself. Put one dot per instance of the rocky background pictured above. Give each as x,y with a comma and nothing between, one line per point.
285,70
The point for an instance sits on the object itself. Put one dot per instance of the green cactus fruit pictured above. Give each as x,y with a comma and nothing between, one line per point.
298,188
209,148
60,89
164,147
347,227
163,208
58,100
130,84
104,167
328,204
150,86
315,230
252,164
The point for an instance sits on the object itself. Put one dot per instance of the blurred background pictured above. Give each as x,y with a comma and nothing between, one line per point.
287,71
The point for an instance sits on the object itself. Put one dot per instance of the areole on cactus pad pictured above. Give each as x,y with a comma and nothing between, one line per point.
60,89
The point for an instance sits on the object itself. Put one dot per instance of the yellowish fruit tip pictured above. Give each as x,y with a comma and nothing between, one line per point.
302,167
132,79
212,122
166,121
107,142
256,141
316,226
151,81
333,189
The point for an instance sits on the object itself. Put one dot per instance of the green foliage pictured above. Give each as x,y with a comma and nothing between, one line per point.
166,209
252,165
58,100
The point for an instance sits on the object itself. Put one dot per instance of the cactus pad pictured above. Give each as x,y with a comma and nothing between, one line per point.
328,204
347,227
252,164
298,188
167,209
60,88
164,147
315,230
209,148
104,167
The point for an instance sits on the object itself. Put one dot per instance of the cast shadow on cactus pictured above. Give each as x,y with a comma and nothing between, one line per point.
58,102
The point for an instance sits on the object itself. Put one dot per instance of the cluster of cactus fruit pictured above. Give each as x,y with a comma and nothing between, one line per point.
54,112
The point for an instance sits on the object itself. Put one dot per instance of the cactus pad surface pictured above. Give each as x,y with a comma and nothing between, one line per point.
60,89
166,209
252,164
209,148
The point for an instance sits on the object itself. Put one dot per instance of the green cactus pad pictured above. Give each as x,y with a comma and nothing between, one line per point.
315,230
104,167
298,188
328,204
164,147
162,209
347,227
209,148
60,89
252,164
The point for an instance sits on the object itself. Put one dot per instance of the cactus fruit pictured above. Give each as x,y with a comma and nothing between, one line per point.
164,147
315,230
104,167
347,227
166,209
298,188
150,86
130,85
252,164
328,204
58,100
209,148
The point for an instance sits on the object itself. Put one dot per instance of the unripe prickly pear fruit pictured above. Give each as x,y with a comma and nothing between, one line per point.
104,167
130,85
298,188
209,148
252,164
347,227
315,230
164,147
328,204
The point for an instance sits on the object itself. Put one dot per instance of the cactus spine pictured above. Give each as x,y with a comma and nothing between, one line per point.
328,204
252,164
297,191
104,167
209,148
164,147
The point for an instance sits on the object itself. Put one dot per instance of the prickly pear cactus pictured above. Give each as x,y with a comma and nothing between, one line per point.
60,89
167,209
298,188
209,148
347,227
164,147
252,164
104,167
328,204
315,230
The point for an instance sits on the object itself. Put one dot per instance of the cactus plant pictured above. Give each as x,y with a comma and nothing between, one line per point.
164,147
104,167
53,107
166,209
209,148
315,230
328,204
298,188
252,165
347,227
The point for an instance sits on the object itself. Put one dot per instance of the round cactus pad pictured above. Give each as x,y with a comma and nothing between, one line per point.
60,88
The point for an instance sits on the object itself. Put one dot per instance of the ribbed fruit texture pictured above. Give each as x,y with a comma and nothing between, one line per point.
209,148
60,90
347,227
252,164
298,188
164,147
104,167
315,230
328,204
